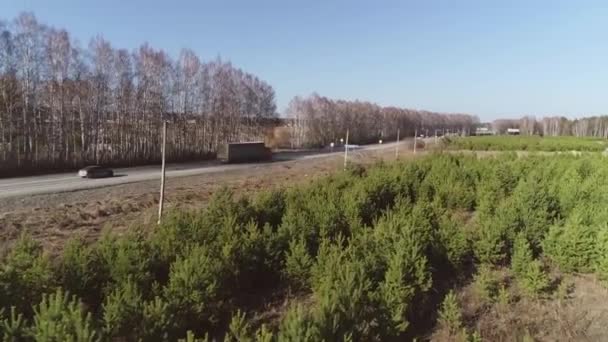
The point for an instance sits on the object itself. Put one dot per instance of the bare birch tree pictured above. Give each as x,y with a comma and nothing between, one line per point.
62,106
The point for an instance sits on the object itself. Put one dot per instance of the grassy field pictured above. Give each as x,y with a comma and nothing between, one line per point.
526,143
377,253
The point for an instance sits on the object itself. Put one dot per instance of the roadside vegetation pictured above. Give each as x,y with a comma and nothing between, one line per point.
377,253
525,143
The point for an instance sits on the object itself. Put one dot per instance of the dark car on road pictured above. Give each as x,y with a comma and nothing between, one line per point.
95,171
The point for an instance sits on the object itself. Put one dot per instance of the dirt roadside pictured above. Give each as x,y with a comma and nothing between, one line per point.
53,218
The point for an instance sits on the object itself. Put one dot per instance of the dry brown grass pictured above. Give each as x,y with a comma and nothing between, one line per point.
582,315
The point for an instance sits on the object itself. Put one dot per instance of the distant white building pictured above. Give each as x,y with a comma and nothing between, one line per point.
483,131
513,131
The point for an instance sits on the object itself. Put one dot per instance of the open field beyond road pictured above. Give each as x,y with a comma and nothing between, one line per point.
526,143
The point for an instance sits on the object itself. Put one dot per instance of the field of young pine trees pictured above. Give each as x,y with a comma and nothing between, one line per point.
365,255
533,143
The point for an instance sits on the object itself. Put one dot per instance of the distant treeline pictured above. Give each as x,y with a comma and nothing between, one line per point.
594,126
62,105
317,121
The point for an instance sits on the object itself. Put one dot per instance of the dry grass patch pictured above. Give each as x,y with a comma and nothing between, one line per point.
580,314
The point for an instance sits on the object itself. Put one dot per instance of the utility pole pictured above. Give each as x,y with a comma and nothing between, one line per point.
415,137
397,146
346,151
162,174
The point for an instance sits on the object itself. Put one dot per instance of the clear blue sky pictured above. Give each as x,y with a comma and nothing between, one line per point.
489,58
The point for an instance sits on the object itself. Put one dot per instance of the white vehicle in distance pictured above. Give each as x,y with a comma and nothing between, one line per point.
352,147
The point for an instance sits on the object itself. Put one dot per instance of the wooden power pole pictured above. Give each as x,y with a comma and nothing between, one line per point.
346,151
162,174
397,146
415,137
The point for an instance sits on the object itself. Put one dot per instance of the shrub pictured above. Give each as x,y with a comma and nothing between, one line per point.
503,298
369,249
190,337
122,311
25,275
274,247
406,278
529,273
193,288
298,325
59,318
452,182
405,238
314,214
522,256
239,330
269,207
244,255
535,280
490,243
354,169
486,283
475,337
342,290
366,200
79,274
169,240
264,335
454,241
124,258
223,205
14,327
298,264
563,290
449,314
157,320
573,245
601,262
573,190
530,210
535,208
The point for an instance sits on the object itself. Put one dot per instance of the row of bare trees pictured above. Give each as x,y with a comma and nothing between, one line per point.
62,105
595,126
317,121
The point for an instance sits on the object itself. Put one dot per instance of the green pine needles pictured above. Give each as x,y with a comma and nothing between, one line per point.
358,256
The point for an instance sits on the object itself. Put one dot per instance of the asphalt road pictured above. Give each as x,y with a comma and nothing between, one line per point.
65,182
